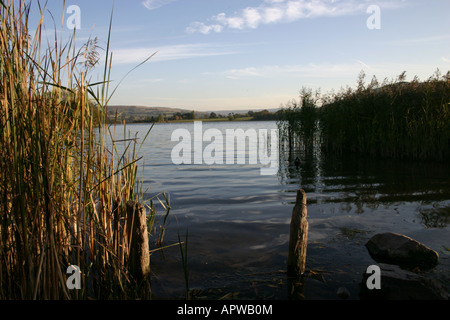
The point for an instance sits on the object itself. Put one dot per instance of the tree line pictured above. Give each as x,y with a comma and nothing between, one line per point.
263,115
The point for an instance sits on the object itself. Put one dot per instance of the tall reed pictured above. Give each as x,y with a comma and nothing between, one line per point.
297,124
63,181
397,119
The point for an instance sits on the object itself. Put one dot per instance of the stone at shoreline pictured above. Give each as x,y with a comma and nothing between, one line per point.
399,284
401,250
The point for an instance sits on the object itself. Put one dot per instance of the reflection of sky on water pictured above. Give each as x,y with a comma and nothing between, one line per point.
239,220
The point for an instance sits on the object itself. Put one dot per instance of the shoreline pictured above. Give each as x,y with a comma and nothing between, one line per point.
203,120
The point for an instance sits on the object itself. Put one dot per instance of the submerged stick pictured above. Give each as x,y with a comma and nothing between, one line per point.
298,237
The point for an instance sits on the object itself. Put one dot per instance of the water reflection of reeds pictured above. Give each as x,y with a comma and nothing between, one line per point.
375,145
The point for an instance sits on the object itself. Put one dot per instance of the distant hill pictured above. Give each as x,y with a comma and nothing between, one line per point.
143,113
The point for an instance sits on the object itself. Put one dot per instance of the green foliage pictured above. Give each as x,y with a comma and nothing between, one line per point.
404,120
397,119
297,123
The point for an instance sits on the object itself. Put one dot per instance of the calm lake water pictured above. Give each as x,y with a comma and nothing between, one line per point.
238,220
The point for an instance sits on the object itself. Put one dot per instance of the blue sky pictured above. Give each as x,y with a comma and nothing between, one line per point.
248,55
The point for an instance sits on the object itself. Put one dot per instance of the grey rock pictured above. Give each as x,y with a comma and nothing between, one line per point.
401,250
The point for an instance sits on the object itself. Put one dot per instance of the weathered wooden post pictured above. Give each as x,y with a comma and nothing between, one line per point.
298,238
137,235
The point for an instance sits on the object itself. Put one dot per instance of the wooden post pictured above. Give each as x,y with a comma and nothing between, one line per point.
139,254
298,238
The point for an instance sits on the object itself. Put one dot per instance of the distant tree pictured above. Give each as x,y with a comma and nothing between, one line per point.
261,115
160,118
177,116
213,115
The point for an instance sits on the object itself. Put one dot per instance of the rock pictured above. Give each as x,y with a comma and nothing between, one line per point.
399,284
401,250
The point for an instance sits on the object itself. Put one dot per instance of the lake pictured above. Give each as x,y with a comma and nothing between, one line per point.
238,220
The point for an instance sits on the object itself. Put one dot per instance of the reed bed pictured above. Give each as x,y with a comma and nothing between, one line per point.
395,119
63,181
298,126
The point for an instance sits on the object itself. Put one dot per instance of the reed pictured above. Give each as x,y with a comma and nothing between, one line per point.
297,125
397,119
64,180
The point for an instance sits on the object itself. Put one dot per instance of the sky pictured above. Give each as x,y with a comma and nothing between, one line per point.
254,54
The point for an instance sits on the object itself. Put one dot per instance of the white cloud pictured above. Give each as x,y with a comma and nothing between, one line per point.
423,40
252,17
155,4
276,11
244,72
294,10
203,28
272,15
310,71
338,73
165,53
232,22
